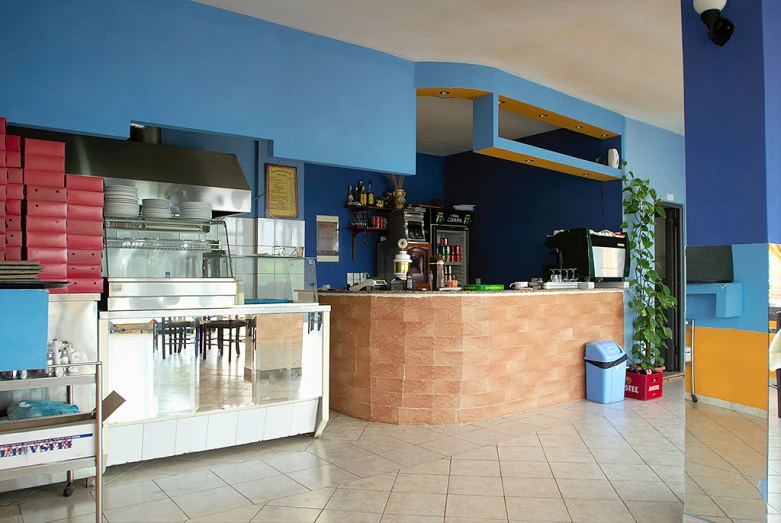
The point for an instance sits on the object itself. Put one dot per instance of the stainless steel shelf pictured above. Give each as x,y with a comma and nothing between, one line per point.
160,224
38,383
163,245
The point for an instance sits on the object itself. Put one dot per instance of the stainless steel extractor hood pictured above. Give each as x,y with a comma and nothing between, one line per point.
159,171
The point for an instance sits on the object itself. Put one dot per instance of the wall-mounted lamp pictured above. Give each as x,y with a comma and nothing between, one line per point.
720,29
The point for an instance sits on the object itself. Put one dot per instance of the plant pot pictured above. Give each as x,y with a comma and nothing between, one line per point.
399,197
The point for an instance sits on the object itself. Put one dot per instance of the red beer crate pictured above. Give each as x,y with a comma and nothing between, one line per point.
643,386
84,257
84,183
40,162
85,285
44,148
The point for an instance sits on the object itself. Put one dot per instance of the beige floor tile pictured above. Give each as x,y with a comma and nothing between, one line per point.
586,489
598,511
669,473
358,500
527,440
643,491
415,504
450,446
242,472
161,511
189,482
382,482
418,436
515,428
577,471
702,506
340,453
266,489
339,516
86,518
439,467
610,456
656,511
537,509
742,508
294,462
476,507
422,483
371,466
561,440
484,437
531,488
315,499
411,456
321,477
598,442
207,502
273,514
474,468
734,486
453,430
525,469
131,494
619,472
403,518
476,486
521,454
572,454
544,422
487,453
379,443
41,510
280,447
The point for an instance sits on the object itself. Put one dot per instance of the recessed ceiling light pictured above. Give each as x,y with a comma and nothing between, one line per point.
578,127
605,135
543,115
586,174
501,101
529,161
444,93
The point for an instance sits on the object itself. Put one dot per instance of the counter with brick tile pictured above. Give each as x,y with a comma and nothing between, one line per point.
431,358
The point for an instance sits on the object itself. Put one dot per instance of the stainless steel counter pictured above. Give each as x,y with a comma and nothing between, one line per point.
429,294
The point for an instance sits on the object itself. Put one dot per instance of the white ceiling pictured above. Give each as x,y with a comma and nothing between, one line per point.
445,125
624,55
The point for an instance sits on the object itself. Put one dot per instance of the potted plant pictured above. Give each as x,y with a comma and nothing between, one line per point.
398,191
649,296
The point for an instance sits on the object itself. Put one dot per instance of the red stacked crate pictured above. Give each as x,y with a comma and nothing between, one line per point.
45,208
85,233
3,181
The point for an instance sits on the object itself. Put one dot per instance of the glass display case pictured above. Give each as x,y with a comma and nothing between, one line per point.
276,279
166,248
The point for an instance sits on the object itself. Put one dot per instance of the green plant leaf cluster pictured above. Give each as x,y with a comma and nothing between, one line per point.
650,297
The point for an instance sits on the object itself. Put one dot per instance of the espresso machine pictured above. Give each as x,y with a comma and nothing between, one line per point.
583,255
405,224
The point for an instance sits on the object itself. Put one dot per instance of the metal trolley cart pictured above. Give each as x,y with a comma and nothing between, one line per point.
55,444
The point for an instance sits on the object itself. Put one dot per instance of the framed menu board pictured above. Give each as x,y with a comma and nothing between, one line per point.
281,191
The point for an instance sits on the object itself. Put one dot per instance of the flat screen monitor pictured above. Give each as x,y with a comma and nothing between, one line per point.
709,264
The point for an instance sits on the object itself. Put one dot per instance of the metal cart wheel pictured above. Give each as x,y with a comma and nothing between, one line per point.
68,492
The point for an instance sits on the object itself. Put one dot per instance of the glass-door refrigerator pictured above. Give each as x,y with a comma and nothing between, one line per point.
449,231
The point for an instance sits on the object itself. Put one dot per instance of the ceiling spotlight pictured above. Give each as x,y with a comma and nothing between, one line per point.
578,127
501,102
529,161
444,93
605,135
543,115
586,174
720,29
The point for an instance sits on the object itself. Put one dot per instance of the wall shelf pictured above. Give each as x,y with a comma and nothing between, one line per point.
359,208
729,297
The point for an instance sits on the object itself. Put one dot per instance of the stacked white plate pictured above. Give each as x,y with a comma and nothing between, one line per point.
195,211
156,208
120,200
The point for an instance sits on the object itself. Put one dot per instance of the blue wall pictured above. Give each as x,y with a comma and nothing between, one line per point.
724,94
658,155
517,206
326,193
771,21
93,66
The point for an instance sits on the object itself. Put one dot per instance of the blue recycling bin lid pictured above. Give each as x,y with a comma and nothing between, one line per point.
603,351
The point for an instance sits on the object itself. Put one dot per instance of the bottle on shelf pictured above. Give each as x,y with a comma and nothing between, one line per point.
361,192
370,195
350,195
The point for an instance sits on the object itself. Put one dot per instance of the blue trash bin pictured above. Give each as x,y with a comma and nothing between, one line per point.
605,371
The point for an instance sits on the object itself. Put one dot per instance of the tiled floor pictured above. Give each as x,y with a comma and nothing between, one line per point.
725,462
181,384
774,460
580,462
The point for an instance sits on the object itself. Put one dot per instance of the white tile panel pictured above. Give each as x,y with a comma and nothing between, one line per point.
124,443
304,417
278,421
252,423
222,430
191,434
159,439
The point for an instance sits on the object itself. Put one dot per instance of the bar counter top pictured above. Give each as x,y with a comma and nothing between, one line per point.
426,293
460,357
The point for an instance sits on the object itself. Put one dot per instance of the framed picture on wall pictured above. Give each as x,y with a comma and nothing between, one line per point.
281,191
327,238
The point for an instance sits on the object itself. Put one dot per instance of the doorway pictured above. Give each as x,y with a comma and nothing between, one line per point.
668,253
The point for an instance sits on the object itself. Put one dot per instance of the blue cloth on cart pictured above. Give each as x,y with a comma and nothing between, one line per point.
39,409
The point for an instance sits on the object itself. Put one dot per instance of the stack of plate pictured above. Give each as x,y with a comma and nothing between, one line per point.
120,200
195,211
156,208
